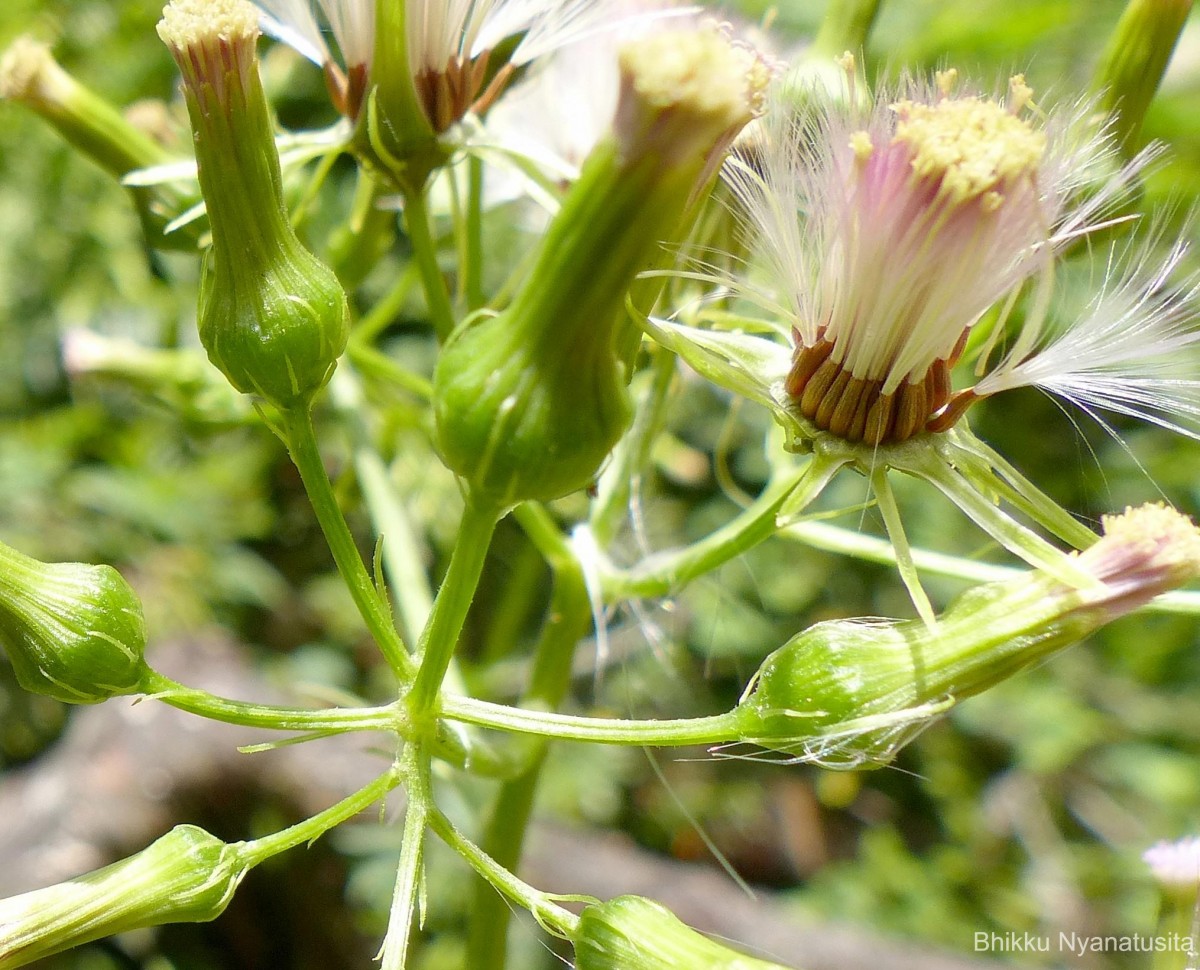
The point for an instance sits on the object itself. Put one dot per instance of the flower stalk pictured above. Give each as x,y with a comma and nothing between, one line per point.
1134,62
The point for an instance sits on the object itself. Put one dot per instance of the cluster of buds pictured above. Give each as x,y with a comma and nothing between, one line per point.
925,220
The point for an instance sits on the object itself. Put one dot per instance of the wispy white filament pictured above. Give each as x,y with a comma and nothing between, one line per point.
1133,350
296,24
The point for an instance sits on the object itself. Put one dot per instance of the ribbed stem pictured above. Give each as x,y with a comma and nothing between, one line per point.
301,440
451,605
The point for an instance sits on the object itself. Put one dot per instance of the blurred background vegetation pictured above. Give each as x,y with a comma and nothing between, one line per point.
1026,809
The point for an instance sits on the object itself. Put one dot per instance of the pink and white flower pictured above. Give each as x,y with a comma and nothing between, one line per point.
895,242
450,44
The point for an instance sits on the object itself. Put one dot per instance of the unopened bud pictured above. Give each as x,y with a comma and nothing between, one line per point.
187,876
272,317
72,631
634,933
530,402
843,691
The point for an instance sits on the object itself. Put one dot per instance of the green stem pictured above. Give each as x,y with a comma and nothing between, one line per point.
544,533
674,732
301,441
388,307
632,455
357,246
401,550
554,918
845,27
201,702
659,574
313,828
568,621
407,894
424,247
401,553
473,268
451,605
370,360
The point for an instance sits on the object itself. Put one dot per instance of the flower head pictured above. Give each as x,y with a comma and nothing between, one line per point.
1175,864
632,931
530,402
557,114
185,876
460,53
72,631
352,23
887,239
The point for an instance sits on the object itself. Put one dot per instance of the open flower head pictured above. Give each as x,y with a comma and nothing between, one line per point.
893,246
461,53
352,24
887,236
1176,865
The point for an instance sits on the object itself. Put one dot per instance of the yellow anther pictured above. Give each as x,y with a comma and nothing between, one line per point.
1020,93
971,147
861,145
946,80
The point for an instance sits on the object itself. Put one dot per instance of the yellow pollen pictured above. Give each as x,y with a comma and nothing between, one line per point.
846,62
1020,94
187,23
860,144
971,147
1160,529
946,80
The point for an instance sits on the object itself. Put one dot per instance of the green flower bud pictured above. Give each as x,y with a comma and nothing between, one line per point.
530,402
272,317
72,631
850,691
1135,60
633,933
187,876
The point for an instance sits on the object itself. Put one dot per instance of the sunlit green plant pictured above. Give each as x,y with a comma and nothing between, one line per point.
885,239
